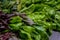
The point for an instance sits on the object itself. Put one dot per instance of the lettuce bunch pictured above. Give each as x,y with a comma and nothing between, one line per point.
44,13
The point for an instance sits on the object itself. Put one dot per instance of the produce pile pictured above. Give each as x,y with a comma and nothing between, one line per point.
29,19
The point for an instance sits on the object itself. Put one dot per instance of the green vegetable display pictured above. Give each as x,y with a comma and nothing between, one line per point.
44,13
